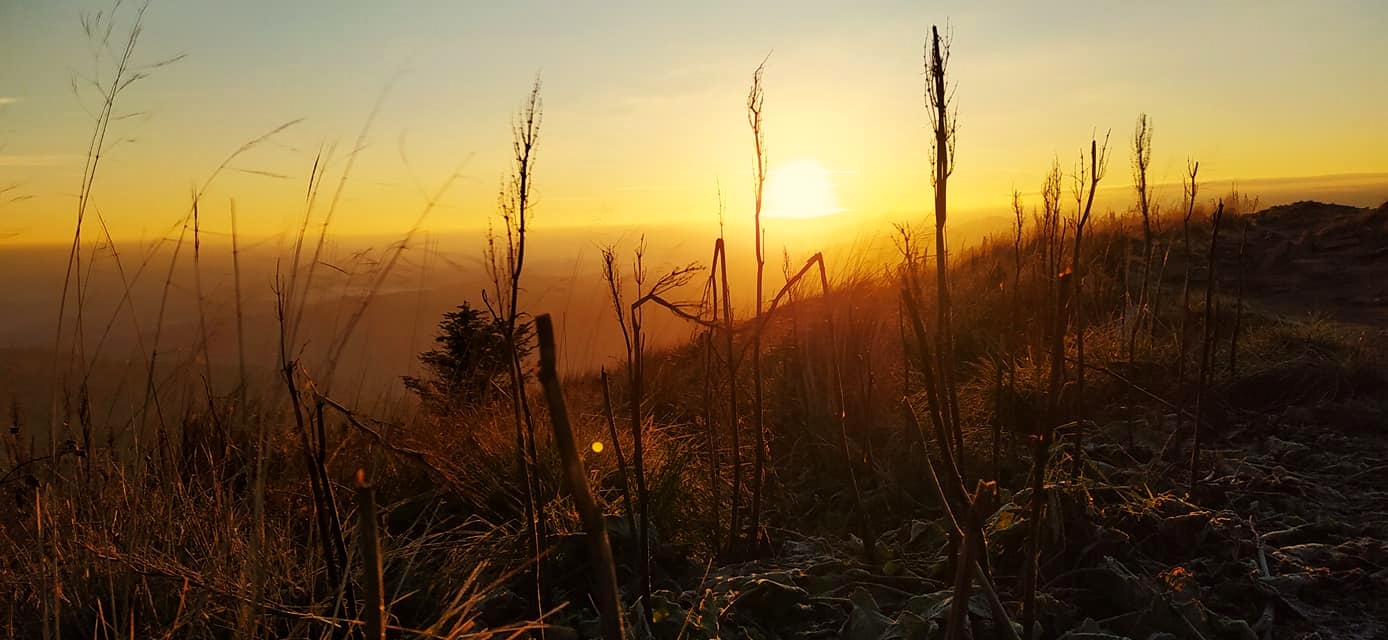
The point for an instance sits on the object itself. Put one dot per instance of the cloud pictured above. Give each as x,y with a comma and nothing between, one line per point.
4,100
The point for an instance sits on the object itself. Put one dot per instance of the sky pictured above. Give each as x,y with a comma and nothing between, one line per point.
643,103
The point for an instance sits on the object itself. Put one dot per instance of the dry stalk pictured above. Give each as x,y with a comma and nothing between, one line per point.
1041,456
604,570
1098,164
939,98
505,270
720,263
1142,159
984,502
1191,187
622,477
630,319
865,528
925,364
754,118
1238,303
985,582
1206,347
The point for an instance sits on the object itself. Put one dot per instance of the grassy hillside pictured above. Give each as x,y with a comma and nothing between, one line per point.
165,542
1162,422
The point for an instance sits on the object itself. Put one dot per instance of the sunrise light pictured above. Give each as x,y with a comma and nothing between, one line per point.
801,189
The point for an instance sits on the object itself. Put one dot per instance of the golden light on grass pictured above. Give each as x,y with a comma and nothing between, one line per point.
801,189
597,446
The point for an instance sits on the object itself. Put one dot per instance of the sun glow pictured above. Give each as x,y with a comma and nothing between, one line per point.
800,189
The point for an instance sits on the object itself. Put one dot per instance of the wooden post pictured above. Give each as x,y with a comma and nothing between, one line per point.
600,551
369,540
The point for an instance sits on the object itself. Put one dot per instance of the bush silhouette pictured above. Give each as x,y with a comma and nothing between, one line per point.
471,353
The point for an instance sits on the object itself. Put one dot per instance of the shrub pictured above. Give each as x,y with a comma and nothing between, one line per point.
470,358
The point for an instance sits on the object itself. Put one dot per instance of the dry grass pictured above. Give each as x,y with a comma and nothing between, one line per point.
228,510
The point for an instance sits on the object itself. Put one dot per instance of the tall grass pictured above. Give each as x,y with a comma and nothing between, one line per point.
232,521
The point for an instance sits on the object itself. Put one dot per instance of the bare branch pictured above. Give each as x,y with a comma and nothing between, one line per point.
678,308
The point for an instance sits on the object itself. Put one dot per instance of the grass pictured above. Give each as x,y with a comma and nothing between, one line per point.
235,517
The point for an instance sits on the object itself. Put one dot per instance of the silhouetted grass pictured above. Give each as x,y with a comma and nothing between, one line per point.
234,517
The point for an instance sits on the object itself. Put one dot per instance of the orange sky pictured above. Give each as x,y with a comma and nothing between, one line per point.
644,119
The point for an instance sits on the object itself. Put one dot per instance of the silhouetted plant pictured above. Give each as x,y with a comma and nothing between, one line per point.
623,481
1041,452
939,98
630,320
1093,173
471,360
755,97
732,361
864,525
1049,251
1142,159
925,362
1207,345
1191,188
1015,335
505,265
1242,208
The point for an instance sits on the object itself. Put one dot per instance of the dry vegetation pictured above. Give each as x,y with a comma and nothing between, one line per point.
1099,426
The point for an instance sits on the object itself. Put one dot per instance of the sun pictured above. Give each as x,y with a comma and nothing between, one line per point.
800,189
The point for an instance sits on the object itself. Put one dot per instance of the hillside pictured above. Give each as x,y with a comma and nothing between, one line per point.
1285,536
1280,533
